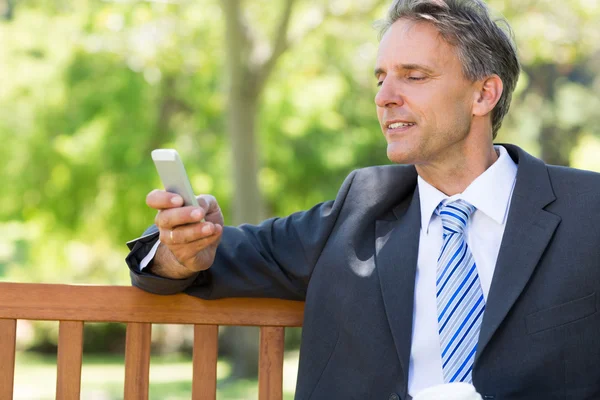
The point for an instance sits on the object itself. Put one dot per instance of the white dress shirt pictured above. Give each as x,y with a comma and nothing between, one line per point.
150,256
490,193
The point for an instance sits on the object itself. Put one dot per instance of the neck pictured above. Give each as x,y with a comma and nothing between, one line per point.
454,174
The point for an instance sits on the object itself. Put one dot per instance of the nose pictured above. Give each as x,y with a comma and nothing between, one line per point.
388,95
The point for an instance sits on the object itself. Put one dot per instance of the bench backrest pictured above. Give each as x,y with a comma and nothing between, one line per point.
73,305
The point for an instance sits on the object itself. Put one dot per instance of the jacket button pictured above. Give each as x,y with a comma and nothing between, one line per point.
394,396
488,397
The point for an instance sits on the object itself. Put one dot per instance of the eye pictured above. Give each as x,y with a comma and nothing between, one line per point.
417,78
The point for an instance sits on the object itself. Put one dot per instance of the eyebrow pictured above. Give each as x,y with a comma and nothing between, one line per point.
409,67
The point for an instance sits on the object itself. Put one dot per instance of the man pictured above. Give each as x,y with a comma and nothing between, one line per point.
475,262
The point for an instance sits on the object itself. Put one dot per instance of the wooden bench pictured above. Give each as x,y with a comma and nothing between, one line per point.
73,305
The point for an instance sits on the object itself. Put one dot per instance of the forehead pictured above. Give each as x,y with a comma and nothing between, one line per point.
414,42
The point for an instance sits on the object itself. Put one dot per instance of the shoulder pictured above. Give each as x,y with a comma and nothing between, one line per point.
572,181
378,188
384,175
563,181
380,180
577,192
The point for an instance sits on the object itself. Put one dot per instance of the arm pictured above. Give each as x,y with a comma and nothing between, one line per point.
273,259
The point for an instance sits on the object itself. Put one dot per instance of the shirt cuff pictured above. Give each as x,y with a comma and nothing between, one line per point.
149,257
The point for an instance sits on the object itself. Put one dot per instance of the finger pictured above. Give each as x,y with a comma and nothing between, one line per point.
170,219
198,250
208,203
211,206
205,242
162,200
187,234
193,249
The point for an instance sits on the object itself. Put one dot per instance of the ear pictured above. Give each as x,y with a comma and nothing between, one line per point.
488,95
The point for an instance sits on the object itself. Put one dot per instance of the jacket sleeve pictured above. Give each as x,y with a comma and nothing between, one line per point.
273,259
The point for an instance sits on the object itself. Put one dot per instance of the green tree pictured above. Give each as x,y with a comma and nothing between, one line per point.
558,97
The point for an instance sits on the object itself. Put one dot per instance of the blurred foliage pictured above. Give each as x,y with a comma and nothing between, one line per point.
555,109
90,87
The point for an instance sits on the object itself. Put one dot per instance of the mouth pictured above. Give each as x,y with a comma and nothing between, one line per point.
398,126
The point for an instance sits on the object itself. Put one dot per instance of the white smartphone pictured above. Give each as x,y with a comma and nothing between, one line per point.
173,176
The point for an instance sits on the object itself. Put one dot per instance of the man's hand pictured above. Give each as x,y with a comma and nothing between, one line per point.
188,245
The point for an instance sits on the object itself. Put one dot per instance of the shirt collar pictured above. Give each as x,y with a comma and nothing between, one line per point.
490,192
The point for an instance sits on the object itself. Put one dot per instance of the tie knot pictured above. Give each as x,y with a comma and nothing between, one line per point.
455,216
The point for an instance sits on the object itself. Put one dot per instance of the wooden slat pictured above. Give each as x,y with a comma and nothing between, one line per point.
8,336
270,363
137,361
70,350
130,304
204,383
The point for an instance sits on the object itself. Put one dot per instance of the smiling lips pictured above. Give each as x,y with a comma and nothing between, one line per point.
399,126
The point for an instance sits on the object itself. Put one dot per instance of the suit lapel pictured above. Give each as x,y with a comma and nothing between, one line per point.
397,244
528,232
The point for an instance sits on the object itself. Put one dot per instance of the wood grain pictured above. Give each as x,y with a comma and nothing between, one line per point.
70,351
74,304
204,383
270,363
8,335
137,361
130,304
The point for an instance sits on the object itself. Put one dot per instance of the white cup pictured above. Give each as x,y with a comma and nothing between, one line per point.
449,391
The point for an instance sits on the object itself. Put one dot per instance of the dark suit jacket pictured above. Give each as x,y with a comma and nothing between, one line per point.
354,260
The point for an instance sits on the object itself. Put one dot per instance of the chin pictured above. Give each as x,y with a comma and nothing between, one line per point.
398,159
399,156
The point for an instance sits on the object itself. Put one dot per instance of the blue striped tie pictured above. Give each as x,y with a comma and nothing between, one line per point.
460,300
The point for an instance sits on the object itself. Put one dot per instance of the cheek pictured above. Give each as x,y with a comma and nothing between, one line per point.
423,98
379,113
439,105
462,97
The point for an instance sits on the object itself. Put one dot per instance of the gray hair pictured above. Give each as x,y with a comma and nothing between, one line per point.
484,48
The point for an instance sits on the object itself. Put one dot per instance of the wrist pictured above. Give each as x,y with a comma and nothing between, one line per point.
165,264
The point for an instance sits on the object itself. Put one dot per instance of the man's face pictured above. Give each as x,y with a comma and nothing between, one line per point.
424,102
